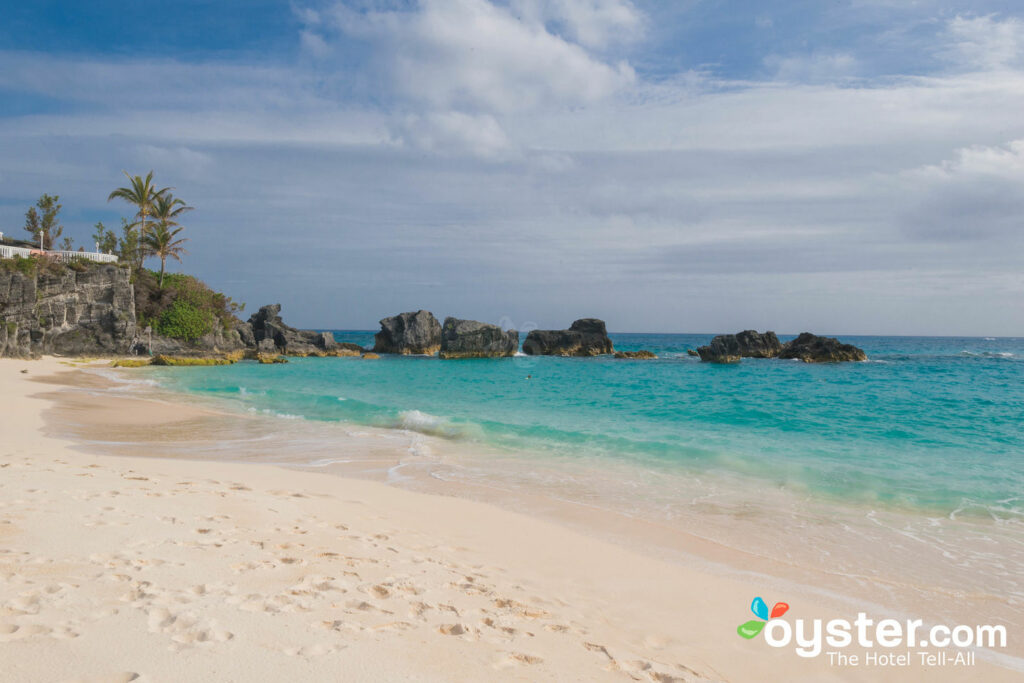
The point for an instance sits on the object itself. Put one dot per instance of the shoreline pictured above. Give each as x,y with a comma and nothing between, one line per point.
623,612
851,553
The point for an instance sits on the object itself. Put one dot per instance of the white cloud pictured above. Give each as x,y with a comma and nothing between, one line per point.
979,161
475,55
593,23
987,42
978,194
454,133
314,44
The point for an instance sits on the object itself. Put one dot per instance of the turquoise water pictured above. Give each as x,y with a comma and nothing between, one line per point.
933,423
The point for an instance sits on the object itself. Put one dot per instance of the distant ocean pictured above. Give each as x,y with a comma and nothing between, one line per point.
928,422
908,468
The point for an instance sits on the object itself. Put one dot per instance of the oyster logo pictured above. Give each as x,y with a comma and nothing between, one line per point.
760,610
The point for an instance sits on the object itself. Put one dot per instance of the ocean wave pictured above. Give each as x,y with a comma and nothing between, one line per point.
284,416
986,354
123,382
433,425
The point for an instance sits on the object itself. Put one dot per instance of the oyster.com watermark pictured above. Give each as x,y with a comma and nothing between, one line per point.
885,642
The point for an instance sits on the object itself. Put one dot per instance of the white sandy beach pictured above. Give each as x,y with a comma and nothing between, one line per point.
116,569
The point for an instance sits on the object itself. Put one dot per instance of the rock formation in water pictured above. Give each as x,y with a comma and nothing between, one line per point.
472,339
585,337
729,348
409,333
271,335
811,348
69,311
636,355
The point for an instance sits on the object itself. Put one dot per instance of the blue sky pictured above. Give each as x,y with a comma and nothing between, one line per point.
851,167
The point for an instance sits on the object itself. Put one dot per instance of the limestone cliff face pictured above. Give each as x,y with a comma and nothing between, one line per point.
66,312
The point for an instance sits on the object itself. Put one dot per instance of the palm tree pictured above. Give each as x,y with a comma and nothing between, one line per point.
142,194
167,208
161,242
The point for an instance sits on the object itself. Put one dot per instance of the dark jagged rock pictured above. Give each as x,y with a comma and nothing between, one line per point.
211,345
691,352
409,333
811,348
324,341
729,348
636,355
267,325
347,349
245,334
472,339
585,337
66,311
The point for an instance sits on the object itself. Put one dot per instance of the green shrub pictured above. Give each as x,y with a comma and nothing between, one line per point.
153,305
183,320
24,265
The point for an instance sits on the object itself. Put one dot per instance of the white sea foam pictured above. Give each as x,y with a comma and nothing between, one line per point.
123,382
419,421
324,462
286,416
986,354
425,423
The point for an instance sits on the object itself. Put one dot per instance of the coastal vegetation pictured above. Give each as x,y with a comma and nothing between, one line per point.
141,193
42,222
183,307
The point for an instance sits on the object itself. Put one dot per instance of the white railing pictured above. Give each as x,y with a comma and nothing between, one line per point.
11,252
62,256
68,256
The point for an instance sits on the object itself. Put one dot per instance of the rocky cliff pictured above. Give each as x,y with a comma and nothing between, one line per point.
68,311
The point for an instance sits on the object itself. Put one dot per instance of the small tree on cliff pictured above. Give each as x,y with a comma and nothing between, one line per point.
167,208
142,193
106,240
130,248
162,242
42,223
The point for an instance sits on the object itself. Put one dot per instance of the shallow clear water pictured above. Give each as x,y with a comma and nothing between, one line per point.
929,423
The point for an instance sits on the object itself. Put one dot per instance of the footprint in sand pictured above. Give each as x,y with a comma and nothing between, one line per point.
315,650
460,630
15,632
517,659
